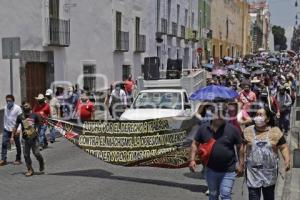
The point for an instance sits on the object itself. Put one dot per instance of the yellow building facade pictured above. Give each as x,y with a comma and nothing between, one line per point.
230,24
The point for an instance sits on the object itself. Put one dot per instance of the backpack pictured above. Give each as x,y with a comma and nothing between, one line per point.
29,130
205,149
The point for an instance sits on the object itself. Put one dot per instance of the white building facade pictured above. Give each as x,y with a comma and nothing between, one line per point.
63,39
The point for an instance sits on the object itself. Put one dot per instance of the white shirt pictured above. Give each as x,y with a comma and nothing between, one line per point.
54,106
121,94
10,117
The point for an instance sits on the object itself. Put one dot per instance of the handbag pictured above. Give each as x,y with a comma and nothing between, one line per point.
205,150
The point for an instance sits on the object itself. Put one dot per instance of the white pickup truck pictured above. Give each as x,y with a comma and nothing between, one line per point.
165,98
158,103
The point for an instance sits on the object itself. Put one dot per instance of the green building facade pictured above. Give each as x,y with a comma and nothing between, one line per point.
205,29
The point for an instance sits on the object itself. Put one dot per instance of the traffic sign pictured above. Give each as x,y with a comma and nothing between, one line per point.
11,48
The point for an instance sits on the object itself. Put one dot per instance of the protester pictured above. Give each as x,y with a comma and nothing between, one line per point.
30,122
262,142
129,85
221,167
55,112
118,101
11,112
43,110
85,109
246,96
285,103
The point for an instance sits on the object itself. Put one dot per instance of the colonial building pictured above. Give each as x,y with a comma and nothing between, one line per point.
261,27
229,26
105,40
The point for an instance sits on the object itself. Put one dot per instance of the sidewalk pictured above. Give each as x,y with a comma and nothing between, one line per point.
291,189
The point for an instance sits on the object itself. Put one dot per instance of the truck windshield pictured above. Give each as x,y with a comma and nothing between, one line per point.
158,100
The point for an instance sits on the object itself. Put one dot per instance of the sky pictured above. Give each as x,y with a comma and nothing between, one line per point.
283,13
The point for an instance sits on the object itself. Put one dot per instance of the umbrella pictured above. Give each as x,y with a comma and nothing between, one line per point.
243,70
227,58
273,60
219,72
291,53
214,93
231,67
254,65
208,66
258,72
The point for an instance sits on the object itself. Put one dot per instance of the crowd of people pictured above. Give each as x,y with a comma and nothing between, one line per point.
243,137
30,120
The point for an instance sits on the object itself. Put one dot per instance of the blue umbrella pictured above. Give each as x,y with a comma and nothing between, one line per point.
273,60
243,71
208,66
231,67
214,93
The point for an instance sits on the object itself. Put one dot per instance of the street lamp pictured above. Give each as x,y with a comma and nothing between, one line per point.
296,3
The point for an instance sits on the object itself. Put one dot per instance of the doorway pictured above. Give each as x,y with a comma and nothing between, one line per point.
35,74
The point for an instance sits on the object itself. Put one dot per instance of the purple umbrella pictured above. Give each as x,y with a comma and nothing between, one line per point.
219,72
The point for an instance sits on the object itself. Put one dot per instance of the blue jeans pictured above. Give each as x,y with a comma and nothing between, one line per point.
220,184
5,142
42,135
52,134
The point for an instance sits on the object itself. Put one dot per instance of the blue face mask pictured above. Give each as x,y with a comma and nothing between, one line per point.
10,105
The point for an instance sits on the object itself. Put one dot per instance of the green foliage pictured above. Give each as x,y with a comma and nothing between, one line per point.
279,37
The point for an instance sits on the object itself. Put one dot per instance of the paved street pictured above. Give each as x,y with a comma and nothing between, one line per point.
73,174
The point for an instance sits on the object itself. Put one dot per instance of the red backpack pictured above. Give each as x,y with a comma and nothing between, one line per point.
205,149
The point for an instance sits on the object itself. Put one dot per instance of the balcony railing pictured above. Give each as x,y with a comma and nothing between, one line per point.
182,32
58,32
174,29
140,45
164,26
122,41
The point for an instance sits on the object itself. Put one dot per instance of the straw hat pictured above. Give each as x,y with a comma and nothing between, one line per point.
255,80
40,97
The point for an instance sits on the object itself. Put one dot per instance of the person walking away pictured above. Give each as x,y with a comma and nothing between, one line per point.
262,142
285,103
55,112
118,101
220,160
43,110
30,122
85,109
11,112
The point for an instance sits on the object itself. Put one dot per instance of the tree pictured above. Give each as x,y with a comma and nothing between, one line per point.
279,38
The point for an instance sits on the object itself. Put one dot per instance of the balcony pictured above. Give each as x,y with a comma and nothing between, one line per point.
140,44
174,30
122,41
182,32
58,32
164,26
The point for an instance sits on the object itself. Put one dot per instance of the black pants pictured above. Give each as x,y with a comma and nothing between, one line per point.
32,144
268,193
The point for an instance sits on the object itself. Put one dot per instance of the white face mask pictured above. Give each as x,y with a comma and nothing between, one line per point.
260,121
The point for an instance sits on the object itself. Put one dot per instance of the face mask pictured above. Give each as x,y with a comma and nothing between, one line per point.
10,105
41,101
26,110
118,88
260,121
209,114
84,100
247,90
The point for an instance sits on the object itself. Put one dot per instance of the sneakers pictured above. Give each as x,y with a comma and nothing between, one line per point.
3,162
29,172
17,162
207,192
